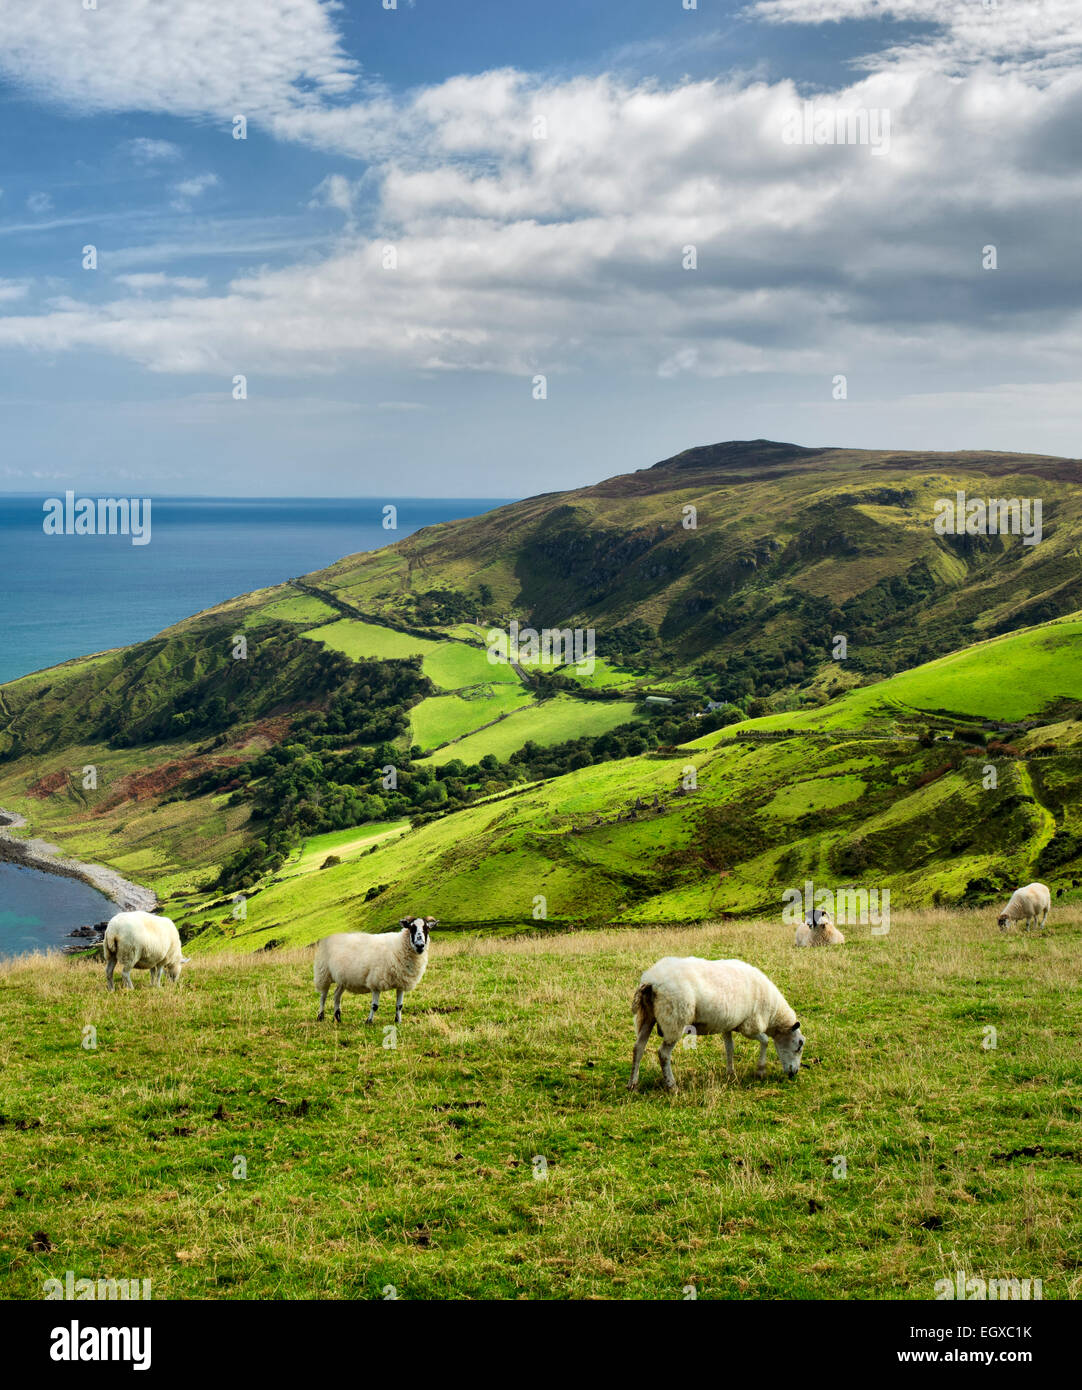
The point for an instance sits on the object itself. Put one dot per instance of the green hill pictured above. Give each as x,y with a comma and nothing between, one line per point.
231,750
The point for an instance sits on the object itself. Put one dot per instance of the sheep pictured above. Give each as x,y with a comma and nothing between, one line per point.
141,941
360,962
1032,901
683,994
818,930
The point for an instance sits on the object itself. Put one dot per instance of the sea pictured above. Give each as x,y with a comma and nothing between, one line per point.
65,596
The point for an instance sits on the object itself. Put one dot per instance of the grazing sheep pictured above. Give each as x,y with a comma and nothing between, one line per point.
818,930
1032,901
683,994
360,962
141,941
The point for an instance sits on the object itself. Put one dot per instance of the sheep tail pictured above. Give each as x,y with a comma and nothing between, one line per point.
642,1005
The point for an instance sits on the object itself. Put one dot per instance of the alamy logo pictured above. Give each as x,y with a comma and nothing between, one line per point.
97,516
80,1289
847,907
75,1343
975,1288
552,646
998,516
813,124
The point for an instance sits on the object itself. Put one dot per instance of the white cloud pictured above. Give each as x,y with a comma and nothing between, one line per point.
145,151
1032,36
11,290
517,253
158,280
189,189
335,191
184,58
39,204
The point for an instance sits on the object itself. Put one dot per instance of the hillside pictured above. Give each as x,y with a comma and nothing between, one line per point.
845,794
220,767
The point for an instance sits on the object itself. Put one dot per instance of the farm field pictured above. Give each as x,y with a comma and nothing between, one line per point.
450,665
552,721
493,1150
443,717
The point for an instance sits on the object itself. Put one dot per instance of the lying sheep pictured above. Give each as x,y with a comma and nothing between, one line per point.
818,930
360,962
683,994
1032,901
141,941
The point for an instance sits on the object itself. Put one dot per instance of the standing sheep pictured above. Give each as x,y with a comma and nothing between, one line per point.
684,994
141,941
1032,901
360,962
818,930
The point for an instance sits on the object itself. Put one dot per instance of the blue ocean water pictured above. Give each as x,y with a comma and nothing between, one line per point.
67,596
38,910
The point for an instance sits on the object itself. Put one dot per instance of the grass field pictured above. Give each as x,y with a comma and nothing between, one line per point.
553,721
490,1148
443,717
450,665
346,844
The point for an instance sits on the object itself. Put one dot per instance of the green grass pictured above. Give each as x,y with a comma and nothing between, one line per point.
553,721
346,844
414,1165
1009,678
450,665
443,717
297,608
821,794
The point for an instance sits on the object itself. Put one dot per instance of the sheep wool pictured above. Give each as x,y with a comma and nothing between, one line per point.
362,963
1032,902
685,994
142,941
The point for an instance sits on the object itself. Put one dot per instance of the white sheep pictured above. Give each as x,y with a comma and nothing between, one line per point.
141,941
1032,901
683,994
359,962
818,930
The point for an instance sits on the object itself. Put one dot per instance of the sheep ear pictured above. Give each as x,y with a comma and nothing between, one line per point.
795,1026
405,921
431,922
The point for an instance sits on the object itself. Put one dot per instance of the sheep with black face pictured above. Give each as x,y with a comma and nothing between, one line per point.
363,963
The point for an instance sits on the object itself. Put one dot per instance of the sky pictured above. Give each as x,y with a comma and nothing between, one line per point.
436,204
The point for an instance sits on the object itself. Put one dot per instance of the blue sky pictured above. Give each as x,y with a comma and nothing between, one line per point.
524,249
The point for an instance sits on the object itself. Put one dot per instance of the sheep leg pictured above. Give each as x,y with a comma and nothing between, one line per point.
125,971
322,1005
730,1070
645,1030
764,1043
110,966
375,1005
398,1005
338,1004
664,1056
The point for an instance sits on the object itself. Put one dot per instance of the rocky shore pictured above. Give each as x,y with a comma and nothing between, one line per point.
38,854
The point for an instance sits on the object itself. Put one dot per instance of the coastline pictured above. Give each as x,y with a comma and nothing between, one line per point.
39,854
